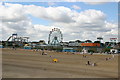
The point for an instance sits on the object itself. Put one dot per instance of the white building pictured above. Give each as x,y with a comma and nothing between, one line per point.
73,43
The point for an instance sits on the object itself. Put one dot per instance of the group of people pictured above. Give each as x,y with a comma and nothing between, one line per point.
43,53
89,63
84,56
14,48
108,58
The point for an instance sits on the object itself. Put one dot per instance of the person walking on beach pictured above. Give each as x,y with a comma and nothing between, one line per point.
88,63
43,53
113,55
13,46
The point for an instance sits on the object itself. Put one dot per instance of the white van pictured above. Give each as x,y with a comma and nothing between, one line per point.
113,50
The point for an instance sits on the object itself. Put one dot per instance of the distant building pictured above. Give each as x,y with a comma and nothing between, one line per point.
91,44
92,47
119,44
34,43
74,43
42,42
64,43
68,49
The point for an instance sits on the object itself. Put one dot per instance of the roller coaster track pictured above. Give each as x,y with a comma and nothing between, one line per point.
9,38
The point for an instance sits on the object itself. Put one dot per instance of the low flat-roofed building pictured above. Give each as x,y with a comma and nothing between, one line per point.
90,44
68,49
42,42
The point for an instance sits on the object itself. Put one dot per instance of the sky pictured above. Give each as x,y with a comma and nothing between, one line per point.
76,20
97,1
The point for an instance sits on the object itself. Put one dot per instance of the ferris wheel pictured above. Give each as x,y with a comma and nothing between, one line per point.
55,37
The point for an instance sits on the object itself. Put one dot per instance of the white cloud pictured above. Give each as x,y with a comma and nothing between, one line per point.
87,24
76,7
14,20
58,14
12,12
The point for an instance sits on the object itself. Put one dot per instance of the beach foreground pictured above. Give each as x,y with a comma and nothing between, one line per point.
22,63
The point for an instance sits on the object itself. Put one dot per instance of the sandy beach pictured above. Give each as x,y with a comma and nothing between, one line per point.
22,63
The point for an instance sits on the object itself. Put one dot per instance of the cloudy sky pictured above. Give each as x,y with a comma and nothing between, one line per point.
76,20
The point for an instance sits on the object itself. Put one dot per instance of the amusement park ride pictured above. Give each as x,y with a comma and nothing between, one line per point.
55,40
113,41
55,37
17,40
